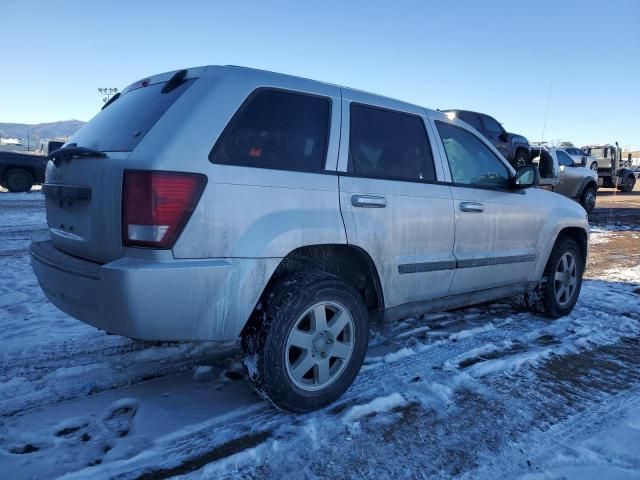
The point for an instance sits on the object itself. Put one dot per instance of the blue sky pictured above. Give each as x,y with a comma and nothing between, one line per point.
498,57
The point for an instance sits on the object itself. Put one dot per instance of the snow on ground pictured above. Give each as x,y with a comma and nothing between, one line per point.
485,392
598,237
22,210
603,228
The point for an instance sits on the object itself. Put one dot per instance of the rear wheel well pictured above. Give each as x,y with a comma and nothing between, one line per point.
577,234
347,261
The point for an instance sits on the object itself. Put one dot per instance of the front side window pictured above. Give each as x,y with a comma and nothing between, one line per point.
387,144
279,130
470,160
564,159
491,125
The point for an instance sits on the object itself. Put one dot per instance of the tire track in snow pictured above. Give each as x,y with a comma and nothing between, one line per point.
418,376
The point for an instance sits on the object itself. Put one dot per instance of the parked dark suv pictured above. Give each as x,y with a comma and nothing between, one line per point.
514,147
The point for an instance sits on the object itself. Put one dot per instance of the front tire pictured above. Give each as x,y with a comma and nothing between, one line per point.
594,166
306,346
562,281
588,199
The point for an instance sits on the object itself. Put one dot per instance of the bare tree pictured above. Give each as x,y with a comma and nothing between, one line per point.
107,93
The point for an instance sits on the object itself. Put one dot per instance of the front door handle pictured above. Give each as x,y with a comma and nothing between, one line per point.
368,201
471,207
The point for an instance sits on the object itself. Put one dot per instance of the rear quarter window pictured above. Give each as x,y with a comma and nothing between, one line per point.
124,123
277,129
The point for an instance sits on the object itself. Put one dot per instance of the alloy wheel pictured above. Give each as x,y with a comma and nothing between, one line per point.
565,279
319,346
590,200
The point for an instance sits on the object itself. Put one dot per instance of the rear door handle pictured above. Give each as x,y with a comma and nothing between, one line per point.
368,201
471,207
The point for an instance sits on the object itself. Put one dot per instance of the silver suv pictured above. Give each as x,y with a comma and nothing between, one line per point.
224,203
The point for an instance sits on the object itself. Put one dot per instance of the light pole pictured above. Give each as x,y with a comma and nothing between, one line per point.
107,93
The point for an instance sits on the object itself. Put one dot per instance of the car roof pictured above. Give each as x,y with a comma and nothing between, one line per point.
264,76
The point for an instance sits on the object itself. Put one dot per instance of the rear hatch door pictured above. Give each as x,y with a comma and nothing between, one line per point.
84,193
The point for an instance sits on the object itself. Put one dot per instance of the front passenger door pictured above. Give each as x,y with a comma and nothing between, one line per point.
496,228
570,176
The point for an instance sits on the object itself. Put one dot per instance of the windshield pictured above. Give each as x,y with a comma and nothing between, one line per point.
124,123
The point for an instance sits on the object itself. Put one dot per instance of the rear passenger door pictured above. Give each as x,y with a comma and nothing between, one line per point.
272,183
496,228
391,205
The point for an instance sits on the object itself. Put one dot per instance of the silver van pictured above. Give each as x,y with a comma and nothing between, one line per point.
223,203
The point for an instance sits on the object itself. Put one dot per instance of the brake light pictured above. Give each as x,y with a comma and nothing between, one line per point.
157,205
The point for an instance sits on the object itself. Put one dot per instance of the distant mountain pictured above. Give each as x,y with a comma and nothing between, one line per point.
64,128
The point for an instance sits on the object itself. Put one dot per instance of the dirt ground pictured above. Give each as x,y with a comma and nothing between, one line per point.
615,210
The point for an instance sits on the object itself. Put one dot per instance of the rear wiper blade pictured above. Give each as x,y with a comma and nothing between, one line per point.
72,150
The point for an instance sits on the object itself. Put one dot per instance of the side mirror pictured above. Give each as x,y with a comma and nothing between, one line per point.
584,161
504,136
526,176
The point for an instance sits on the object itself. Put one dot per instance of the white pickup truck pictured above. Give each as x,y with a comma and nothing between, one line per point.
560,174
613,171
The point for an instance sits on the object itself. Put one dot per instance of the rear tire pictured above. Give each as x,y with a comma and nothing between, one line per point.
588,199
18,180
560,286
306,345
594,166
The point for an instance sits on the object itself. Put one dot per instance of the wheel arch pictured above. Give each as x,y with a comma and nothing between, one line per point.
588,182
579,235
349,262
577,231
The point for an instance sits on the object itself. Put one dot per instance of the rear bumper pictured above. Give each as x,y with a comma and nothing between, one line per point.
209,300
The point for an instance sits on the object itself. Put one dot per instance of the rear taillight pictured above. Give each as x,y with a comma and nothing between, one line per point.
157,205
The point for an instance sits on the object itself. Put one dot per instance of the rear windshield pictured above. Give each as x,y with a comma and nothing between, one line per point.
121,126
